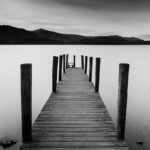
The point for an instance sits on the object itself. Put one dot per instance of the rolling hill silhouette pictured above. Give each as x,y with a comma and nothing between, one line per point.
13,35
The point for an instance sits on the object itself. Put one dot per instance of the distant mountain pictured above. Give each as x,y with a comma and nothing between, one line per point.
65,38
145,37
113,40
13,35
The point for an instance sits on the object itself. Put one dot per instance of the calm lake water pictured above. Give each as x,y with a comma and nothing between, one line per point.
138,112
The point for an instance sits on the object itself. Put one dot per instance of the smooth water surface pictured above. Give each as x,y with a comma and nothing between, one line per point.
138,120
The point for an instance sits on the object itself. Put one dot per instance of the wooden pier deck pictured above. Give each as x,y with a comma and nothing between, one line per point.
74,118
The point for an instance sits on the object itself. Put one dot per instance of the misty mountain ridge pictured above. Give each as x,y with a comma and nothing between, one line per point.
13,35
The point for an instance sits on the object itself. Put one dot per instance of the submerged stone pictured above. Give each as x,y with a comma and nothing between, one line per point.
139,142
7,142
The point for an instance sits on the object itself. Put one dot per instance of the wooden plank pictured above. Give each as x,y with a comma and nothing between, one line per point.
73,126
95,148
74,123
75,144
47,119
71,129
75,118
75,134
74,114
76,139
62,117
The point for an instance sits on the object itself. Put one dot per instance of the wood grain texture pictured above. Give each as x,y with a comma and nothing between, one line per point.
74,118
82,61
60,67
122,99
86,62
74,61
90,68
97,74
64,63
54,73
26,102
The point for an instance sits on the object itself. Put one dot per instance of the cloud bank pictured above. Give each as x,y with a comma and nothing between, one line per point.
88,17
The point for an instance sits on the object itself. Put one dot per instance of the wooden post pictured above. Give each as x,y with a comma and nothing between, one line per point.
97,74
90,68
26,102
67,61
82,61
60,68
86,60
64,69
122,99
54,73
74,61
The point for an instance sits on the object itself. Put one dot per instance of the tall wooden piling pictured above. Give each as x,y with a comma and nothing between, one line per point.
82,61
26,102
64,67
54,73
90,68
86,61
97,74
67,57
60,68
122,99
74,61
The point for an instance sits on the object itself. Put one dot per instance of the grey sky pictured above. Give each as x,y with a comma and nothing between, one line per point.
88,17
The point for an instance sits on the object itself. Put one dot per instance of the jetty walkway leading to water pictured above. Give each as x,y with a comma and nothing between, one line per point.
74,117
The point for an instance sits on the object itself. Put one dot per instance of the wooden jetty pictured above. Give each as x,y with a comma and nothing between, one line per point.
74,117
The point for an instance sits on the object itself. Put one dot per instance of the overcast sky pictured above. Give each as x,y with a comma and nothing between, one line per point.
87,17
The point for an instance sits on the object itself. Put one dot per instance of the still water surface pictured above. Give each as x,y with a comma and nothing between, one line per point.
138,120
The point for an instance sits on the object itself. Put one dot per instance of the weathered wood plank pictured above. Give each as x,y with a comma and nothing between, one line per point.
75,134
73,126
75,144
68,129
76,139
95,148
75,123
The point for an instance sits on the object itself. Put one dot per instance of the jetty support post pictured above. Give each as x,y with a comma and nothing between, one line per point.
54,73
60,67
26,102
90,68
122,99
82,61
86,60
74,61
64,67
67,57
97,74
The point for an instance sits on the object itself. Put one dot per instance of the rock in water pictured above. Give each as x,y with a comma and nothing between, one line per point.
139,142
7,142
